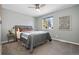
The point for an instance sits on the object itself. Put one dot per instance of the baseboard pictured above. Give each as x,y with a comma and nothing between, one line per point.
66,41
3,42
53,39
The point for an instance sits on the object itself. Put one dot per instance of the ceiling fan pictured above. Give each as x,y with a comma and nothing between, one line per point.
37,6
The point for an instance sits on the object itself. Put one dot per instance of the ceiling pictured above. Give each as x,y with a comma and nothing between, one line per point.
48,8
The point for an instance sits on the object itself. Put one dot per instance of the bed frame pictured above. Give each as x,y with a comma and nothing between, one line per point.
45,36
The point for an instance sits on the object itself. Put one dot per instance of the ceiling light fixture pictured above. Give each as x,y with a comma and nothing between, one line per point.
38,10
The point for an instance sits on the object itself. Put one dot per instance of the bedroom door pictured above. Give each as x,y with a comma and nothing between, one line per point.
0,30
0,35
0,38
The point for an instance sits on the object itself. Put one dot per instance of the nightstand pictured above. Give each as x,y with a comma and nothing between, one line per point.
11,37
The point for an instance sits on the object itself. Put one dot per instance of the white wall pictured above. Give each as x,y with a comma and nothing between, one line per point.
11,18
72,35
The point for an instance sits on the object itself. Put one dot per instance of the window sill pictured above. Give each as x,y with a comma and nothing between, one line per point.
47,29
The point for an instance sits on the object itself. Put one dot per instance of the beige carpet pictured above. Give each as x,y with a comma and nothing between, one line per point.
49,48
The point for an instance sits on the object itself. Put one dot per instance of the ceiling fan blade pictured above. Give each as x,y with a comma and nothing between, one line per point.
37,6
31,7
42,5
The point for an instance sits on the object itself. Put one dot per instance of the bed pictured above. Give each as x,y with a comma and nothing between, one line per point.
32,38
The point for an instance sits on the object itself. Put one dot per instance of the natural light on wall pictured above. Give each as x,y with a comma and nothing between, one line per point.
47,23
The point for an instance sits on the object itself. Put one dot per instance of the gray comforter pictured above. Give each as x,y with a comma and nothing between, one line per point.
34,38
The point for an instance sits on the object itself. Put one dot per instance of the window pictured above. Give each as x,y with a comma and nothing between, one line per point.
47,23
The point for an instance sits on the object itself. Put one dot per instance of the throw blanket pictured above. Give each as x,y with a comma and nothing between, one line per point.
34,38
